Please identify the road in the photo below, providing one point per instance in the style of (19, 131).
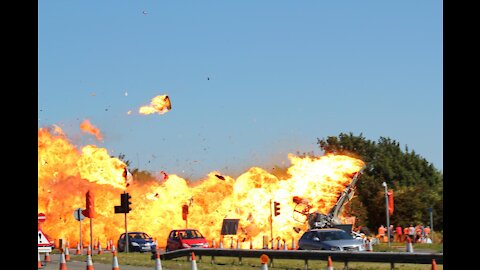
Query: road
(75, 265)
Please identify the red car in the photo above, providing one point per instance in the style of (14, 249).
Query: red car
(185, 238)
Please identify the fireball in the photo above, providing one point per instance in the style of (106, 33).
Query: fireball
(66, 172)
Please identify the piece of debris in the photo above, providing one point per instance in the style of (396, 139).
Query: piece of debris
(220, 177)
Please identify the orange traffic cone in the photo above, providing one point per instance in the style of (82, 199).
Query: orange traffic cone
(285, 245)
(113, 248)
(158, 263)
(39, 261)
(213, 243)
(47, 258)
(193, 266)
(115, 262)
(67, 254)
(293, 243)
(221, 244)
(434, 264)
(95, 245)
(329, 263)
(107, 246)
(264, 260)
(99, 249)
(78, 251)
(89, 259)
(63, 263)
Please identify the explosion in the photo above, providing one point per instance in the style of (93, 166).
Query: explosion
(66, 173)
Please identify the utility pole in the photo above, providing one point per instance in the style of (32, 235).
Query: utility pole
(388, 216)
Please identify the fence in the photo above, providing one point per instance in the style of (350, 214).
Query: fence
(306, 255)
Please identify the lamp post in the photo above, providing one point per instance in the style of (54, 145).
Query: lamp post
(386, 208)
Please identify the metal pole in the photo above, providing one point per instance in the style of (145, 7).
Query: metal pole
(126, 234)
(388, 216)
(271, 223)
(91, 235)
(81, 246)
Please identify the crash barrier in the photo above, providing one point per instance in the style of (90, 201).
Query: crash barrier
(306, 255)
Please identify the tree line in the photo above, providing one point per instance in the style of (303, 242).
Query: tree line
(417, 185)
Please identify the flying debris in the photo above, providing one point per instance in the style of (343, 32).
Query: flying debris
(126, 93)
(127, 176)
(208, 78)
(86, 126)
(165, 175)
(144, 12)
(220, 177)
(159, 104)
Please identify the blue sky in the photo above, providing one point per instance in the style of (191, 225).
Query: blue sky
(282, 74)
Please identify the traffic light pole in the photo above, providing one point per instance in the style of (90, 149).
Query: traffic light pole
(271, 224)
(126, 234)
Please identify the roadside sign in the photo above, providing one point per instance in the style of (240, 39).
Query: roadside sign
(78, 214)
(41, 217)
(42, 239)
(44, 244)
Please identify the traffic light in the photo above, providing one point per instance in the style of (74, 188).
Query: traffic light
(125, 202)
(184, 212)
(276, 207)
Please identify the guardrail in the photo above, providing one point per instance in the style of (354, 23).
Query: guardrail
(341, 256)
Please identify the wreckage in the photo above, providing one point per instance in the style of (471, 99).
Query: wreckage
(315, 220)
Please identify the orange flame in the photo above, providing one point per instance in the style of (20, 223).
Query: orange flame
(65, 174)
(159, 104)
(89, 128)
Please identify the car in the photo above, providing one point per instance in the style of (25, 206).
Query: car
(185, 238)
(137, 241)
(329, 239)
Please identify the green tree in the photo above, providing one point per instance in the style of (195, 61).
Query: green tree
(417, 185)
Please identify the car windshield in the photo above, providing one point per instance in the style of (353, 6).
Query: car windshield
(333, 235)
(139, 235)
(190, 234)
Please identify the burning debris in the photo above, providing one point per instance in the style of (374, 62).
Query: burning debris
(86, 126)
(159, 104)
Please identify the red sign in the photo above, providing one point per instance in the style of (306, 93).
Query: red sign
(41, 217)
(390, 202)
(90, 211)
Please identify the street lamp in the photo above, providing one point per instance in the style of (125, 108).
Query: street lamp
(388, 216)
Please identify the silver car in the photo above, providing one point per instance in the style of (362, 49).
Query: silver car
(329, 239)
